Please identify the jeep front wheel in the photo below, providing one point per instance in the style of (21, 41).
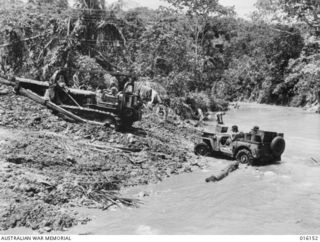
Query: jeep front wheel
(244, 157)
(202, 149)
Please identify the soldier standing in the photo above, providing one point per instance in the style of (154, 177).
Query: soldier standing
(219, 117)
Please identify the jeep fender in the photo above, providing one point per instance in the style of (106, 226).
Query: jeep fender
(209, 142)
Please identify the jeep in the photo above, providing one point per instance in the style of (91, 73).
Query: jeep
(254, 148)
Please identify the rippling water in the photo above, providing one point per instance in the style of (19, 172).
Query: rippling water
(277, 199)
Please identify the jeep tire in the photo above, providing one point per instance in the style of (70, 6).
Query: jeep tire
(277, 146)
(202, 149)
(244, 157)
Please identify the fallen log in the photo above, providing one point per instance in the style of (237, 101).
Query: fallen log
(31, 81)
(5, 82)
(104, 147)
(126, 149)
(224, 173)
(23, 80)
(43, 84)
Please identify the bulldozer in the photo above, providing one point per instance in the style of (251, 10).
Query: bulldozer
(118, 111)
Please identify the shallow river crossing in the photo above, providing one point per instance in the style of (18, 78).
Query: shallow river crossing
(277, 199)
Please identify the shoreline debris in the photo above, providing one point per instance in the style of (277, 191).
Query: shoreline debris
(224, 173)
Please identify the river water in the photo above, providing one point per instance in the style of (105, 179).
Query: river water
(276, 199)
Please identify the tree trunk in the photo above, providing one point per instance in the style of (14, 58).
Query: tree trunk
(224, 173)
(8, 83)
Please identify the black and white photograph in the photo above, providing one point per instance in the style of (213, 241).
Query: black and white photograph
(159, 117)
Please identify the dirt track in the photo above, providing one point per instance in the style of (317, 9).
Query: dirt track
(51, 167)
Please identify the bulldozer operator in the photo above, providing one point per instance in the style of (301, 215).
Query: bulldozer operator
(56, 81)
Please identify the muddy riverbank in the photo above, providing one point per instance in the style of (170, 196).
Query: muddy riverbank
(51, 168)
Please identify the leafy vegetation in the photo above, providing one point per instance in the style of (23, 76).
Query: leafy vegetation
(192, 47)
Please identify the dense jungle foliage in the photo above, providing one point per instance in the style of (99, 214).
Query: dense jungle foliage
(193, 48)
